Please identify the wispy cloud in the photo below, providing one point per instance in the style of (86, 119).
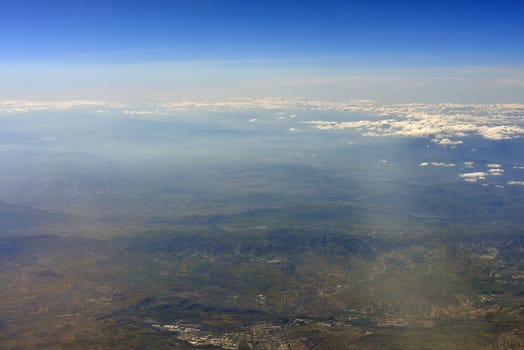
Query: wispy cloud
(141, 112)
(437, 164)
(517, 183)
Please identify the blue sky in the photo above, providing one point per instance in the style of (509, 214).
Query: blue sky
(256, 39)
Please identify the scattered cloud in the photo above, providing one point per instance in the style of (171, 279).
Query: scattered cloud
(444, 123)
(494, 169)
(294, 130)
(253, 120)
(469, 164)
(518, 167)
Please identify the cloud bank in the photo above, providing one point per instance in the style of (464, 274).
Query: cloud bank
(445, 123)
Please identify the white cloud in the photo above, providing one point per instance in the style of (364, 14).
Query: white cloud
(253, 120)
(474, 177)
(518, 167)
(518, 183)
(441, 122)
(502, 132)
(469, 164)
(140, 112)
(495, 173)
(294, 130)
(437, 164)
(443, 164)
(495, 169)
(447, 142)
(21, 106)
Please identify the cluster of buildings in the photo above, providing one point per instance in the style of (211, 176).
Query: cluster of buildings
(270, 337)
(193, 335)
(263, 336)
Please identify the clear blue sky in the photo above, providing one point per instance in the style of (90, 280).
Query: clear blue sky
(475, 31)
(322, 35)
